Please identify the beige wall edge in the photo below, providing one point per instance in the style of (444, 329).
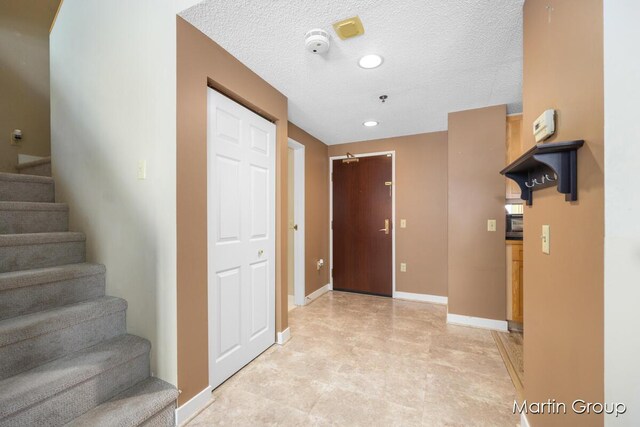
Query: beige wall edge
(201, 63)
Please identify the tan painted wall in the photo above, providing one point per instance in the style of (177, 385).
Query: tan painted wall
(477, 262)
(316, 208)
(421, 199)
(202, 62)
(563, 299)
(24, 78)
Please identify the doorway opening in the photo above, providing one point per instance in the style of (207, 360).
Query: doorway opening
(296, 215)
(362, 231)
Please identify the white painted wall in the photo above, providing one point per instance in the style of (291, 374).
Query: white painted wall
(113, 103)
(622, 207)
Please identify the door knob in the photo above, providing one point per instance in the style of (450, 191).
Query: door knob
(260, 252)
(295, 227)
(386, 227)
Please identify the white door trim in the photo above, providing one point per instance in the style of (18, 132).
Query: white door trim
(393, 212)
(299, 216)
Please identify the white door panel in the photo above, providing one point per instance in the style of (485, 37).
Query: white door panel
(259, 211)
(228, 314)
(259, 291)
(241, 235)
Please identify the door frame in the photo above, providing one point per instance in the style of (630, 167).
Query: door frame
(392, 154)
(298, 218)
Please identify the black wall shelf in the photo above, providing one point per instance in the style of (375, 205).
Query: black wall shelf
(546, 165)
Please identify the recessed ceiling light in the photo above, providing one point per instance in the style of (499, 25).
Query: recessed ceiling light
(370, 61)
(370, 123)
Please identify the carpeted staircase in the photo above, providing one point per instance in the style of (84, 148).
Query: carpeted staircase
(65, 356)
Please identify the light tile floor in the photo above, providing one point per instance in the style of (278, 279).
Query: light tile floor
(371, 361)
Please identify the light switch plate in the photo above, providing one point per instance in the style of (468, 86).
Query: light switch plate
(491, 225)
(142, 169)
(403, 223)
(546, 239)
(403, 267)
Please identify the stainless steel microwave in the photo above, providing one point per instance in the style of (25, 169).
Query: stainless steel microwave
(515, 226)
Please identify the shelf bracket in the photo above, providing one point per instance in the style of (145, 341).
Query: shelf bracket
(565, 166)
(547, 165)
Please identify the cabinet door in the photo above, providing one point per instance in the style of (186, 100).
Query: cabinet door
(517, 283)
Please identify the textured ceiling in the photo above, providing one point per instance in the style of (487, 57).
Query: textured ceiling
(439, 56)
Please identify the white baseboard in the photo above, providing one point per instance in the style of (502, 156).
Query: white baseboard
(477, 322)
(283, 336)
(435, 299)
(318, 293)
(26, 158)
(524, 422)
(196, 404)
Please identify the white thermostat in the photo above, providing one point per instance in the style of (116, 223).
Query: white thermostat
(545, 125)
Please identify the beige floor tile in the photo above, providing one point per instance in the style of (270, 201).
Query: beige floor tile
(236, 407)
(348, 408)
(290, 390)
(361, 360)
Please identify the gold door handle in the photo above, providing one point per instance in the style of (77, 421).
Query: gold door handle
(295, 227)
(386, 227)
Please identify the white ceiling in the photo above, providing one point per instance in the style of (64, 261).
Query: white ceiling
(439, 56)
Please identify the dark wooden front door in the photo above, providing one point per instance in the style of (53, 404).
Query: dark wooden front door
(362, 202)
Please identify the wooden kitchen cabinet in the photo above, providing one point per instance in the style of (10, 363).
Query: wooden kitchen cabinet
(515, 302)
(513, 151)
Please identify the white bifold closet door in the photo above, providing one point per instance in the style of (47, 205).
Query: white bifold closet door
(241, 235)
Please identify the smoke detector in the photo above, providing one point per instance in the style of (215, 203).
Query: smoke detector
(317, 41)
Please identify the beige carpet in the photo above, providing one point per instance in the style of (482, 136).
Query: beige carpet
(510, 345)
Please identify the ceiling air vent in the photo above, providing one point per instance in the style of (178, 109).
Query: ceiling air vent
(350, 27)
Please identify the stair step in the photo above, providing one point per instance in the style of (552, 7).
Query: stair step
(62, 390)
(38, 250)
(31, 340)
(33, 217)
(132, 407)
(26, 188)
(41, 167)
(29, 291)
